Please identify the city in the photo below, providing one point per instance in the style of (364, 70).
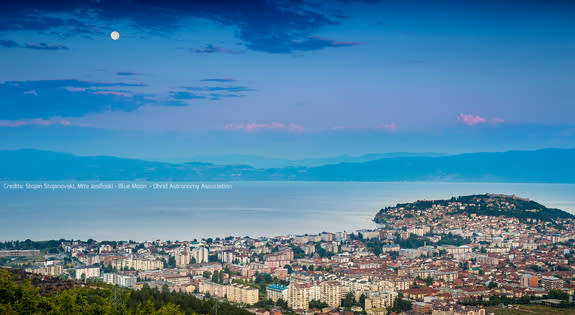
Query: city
(423, 260)
(283, 157)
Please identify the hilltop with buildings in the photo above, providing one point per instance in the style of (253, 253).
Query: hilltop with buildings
(444, 257)
(509, 206)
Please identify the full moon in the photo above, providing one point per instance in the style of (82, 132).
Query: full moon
(115, 35)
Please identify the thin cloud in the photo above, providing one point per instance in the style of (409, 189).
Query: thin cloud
(211, 92)
(471, 120)
(126, 73)
(115, 93)
(8, 43)
(210, 49)
(31, 92)
(45, 46)
(67, 98)
(391, 126)
(316, 42)
(185, 96)
(219, 80)
(228, 88)
(253, 127)
(122, 93)
(38, 122)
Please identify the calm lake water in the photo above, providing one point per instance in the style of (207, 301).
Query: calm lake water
(248, 208)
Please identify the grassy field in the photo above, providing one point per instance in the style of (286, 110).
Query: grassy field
(530, 310)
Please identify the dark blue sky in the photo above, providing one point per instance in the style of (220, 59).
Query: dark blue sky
(288, 79)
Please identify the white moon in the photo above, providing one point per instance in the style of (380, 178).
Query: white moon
(115, 35)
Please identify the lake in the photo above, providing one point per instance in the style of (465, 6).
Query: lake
(118, 211)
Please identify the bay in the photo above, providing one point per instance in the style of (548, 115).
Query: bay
(254, 208)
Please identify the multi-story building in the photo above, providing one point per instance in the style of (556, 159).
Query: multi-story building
(182, 256)
(213, 289)
(244, 294)
(299, 295)
(422, 308)
(281, 273)
(15, 253)
(88, 272)
(330, 293)
(551, 283)
(326, 236)
(381, 299)
(122, 280)
(458, 310)
(53, 270)
(529, 281)
(279, 259)
(275, 292)
(308, 249)
(369, 234)
(409, 253)
(227, 256)
(200, 254)
(139, 264)
(456, 251)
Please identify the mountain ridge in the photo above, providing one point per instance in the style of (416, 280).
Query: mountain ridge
(546, 165)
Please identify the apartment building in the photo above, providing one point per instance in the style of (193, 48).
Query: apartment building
(330, 293)
(299, 295)
(121, 280)
(139, 264)
(88, 272)
(182, 256)
(244, 294)
(200, 254)
(275, 292)
(551, 283)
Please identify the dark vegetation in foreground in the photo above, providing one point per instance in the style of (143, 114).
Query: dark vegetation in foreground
(20, 295)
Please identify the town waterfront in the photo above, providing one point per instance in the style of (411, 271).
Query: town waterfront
(232, 208)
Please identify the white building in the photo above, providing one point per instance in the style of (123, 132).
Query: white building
(128, 281)
(88, 272)
(200, 255)
(276, 292)
(182, 256)
(330, 293)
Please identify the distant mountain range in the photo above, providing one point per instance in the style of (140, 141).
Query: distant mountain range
(548, 166)
(267, 162)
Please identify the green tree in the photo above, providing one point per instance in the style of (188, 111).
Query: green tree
(283, 304)
(317, 304)
(361, 301)
(349, 300)
(557, 294)
(400, 305)
(170, 309)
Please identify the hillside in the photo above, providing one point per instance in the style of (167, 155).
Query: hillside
(24, 293)
(487, 204)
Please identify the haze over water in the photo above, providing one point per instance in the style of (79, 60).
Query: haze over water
(248, 208)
